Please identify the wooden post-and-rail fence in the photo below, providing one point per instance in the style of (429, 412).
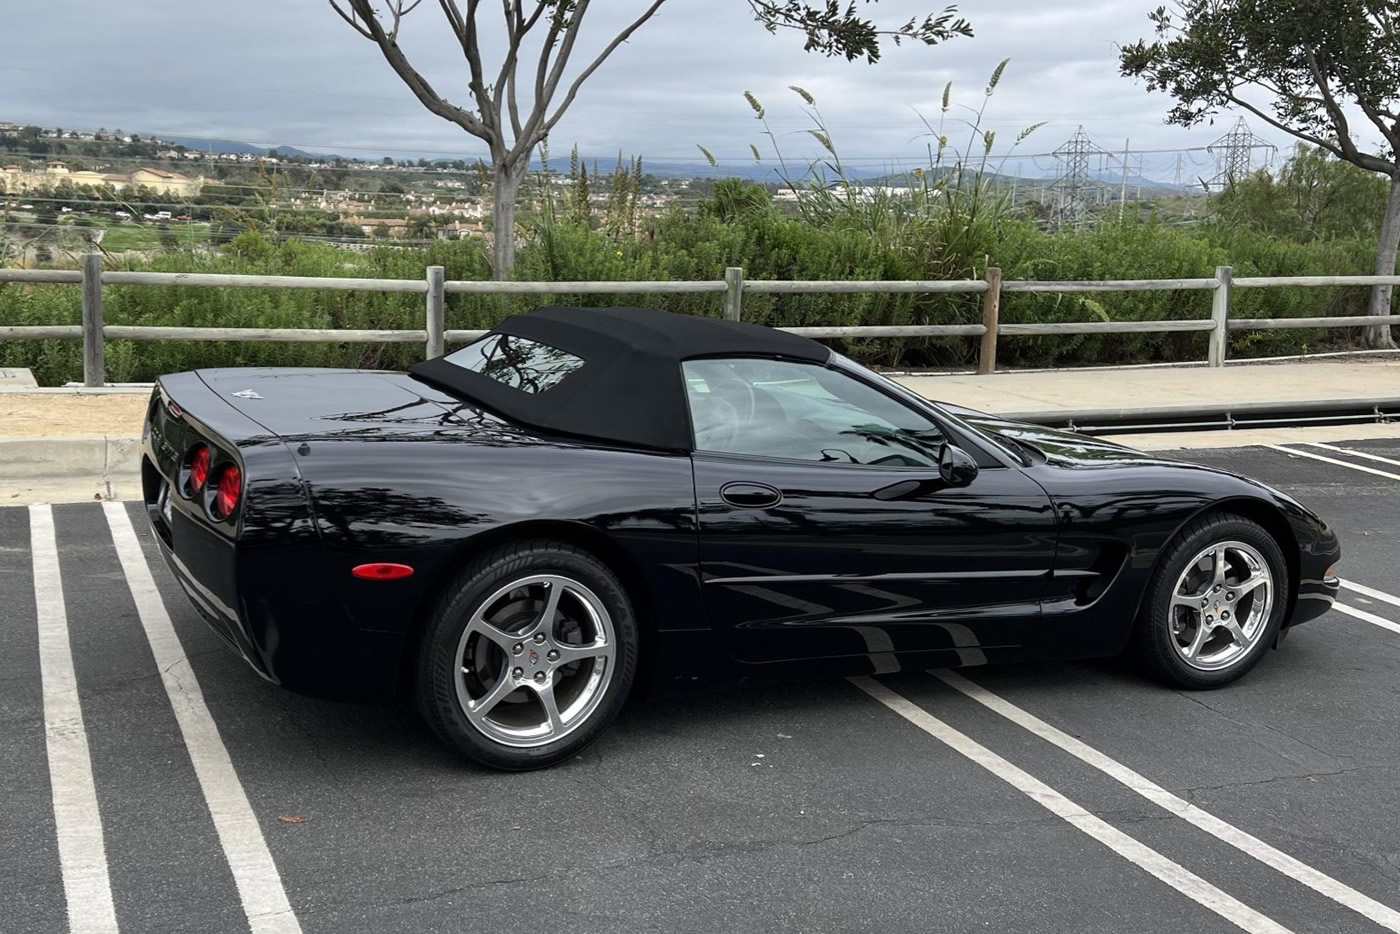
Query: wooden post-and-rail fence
(435, 336)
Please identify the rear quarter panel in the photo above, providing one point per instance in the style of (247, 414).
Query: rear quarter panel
(428, 498)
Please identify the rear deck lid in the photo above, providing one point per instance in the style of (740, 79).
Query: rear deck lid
(324, 402)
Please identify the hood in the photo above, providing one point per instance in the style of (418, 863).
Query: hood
(1054, 446)
(321, 403)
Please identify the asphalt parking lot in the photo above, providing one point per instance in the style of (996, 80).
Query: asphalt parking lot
(1056, 798)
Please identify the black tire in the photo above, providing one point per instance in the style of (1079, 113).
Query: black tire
(447, 651)
(1162, 633)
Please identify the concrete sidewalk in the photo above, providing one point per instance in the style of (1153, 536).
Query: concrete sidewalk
(1068, 391)
(73, 444)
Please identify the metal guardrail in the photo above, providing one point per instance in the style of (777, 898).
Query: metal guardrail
(435, 336)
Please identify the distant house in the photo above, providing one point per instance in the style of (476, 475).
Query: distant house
(56, 174)
(459, 231)
(168, 183)
(84, 177)
(397, 226)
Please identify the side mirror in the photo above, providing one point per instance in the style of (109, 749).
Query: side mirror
(956, 466)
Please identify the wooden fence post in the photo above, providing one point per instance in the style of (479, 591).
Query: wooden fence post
(435, 321)
(94, 366)
(1220, 314)
(733, 292)
(991, 318)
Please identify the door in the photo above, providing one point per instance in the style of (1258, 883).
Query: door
(826, 531)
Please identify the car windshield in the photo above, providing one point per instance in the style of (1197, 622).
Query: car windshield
(1025, 454)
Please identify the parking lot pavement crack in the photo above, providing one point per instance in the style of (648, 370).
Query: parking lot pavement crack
(1385, 862)
(1341, 761)
(1307, 776)
(313, 743)
(459, 889)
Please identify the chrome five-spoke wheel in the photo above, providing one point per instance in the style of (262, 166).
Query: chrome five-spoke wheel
(1221, 605)
(1215, 602)
(535, 660)
(529, 654)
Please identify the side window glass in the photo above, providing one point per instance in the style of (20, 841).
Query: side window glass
(801, 411)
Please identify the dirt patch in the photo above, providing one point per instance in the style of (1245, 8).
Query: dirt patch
(45, 414)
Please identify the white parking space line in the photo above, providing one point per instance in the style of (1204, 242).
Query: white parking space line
(82, 851)
(1371, 592)
(1141, 855)
(259, 884)
(1332, 460)
(1371, 618)
(1354, 453)
(1250, 845)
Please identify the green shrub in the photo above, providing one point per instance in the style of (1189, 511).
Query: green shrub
(687, 247)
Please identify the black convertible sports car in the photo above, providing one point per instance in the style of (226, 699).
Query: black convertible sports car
(585, 502)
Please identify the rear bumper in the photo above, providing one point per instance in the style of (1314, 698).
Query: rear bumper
(267, 608)
(216, 610)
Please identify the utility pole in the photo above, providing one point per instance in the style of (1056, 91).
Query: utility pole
(1123, 191)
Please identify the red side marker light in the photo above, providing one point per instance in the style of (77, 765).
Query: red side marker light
(380, 571)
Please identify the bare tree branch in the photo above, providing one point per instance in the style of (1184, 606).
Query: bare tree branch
(419, 85)
(583, 76)
(351, 20)
(399, 12)
(517, 26)
(556, 25)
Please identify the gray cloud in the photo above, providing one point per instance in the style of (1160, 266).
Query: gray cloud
(290, 72)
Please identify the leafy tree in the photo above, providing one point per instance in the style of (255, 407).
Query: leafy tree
(1315, 196)
(1317, 63)
(512, 131)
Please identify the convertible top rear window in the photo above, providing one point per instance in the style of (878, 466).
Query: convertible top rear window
(522, 364)
(620, 368)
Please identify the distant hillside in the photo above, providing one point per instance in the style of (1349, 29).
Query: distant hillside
(234, 146)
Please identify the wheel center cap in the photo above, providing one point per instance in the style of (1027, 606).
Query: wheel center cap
(534, 658)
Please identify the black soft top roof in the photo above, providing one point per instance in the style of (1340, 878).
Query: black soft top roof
(630, 389)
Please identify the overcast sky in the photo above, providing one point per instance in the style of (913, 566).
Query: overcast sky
(291, 72)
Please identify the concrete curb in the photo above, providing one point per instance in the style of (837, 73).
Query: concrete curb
(69, 469)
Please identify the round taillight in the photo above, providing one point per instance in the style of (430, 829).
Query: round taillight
(199, 467)
(230, 486)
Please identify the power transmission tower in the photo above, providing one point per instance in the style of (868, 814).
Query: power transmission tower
(1234, 154)
(1074, 155)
